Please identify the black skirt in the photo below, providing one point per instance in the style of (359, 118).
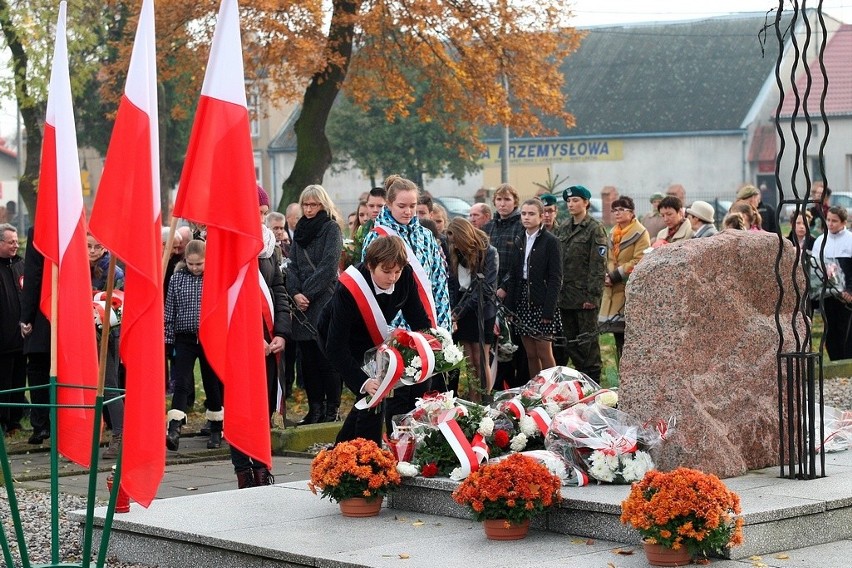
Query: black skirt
(530, 316)
(468, 329)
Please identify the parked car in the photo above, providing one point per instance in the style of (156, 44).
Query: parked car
(841, 198)
(455, 206)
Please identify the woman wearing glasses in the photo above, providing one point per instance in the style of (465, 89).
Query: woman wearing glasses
(627, 243)
(311, 276)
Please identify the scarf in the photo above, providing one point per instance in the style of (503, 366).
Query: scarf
(672, 232)
(308, 229)
(268, 242)
(618, 234)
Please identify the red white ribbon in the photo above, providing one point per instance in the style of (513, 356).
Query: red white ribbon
(480, 447)
(417, 341)
(392, 375)
(614, 445)
(516, 408)
(365, 299)
(542, 419)
(461, 447)
(424, 285)
(266, 306)
(582, 477)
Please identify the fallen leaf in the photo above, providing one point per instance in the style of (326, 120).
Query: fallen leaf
(590, 542)
(192, 488)
(610, 565)
(417, 524)
(578, 541)
(702, 561)
(623, 551)
(755, 558)
(782, 556)
(404, 556)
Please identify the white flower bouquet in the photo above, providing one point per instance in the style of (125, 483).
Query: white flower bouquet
(407, 358)
(604, 443)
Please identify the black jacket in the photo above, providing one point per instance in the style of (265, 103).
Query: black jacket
(274, 279)
(544, 273)
(38, 341)
(464, 304)
(11, 279)
(346, 338)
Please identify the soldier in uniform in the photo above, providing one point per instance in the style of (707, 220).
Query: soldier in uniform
(584, 249)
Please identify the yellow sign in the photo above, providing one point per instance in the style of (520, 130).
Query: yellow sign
(555, 151)
(84, 178)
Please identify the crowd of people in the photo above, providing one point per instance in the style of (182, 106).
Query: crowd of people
(520, 289)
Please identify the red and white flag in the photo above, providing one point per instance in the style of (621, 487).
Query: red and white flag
(126, 220)
(60, 235)
(218, 189)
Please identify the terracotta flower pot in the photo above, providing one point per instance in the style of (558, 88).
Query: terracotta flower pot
(361, 507)
(659, 555)
(501, 529)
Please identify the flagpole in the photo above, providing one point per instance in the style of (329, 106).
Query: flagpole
(170, 241)
(96, 429)
(54, 429)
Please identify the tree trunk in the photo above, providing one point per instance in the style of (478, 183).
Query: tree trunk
(313, 153)
(31, 112)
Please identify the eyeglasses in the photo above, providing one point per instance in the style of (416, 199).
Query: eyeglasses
(310, 205)
(620, 210)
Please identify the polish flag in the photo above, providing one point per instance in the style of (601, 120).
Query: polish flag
(218, 189)
(126, 220)
(60, 235)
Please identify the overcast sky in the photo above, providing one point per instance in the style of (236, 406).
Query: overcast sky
(599, 12)
(596, 12)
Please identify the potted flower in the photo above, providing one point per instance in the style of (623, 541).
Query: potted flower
(357, 474)
(507, 494)
(684, 512)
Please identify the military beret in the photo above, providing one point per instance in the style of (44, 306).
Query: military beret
(548, 198)
(577, 191)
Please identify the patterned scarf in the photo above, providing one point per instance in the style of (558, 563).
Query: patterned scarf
(618, 234)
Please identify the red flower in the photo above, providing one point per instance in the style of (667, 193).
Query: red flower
(501, 438)
(429, 470)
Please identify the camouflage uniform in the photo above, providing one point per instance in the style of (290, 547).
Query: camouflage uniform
(584, 253)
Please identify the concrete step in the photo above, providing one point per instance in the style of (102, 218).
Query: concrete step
(779, 514)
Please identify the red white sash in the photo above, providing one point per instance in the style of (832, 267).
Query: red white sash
(424, 285)
(371, 313)
(266, 306)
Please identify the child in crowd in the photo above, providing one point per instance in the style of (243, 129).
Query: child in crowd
(369, 295)
(534, 287)
(182, 316)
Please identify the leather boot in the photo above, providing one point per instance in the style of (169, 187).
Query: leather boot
(176, 418)
(331, 414)
(262, 476)
(114, 448)
(316, 412)
(245, 478)
(215, 420)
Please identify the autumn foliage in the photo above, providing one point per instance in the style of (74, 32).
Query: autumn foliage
(358, 468)
(516, 489)
(684, 508)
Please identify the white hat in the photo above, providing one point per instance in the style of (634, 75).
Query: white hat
(702, 210)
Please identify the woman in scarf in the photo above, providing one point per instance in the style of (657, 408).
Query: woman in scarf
(398, 217)
(627, 243)
(311, 277)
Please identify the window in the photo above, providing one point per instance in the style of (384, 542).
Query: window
(253, 103)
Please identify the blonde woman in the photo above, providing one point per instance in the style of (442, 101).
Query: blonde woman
(311, 276)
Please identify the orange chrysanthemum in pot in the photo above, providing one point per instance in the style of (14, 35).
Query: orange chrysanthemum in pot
(684, 508)
(357, 468)
(515, 489)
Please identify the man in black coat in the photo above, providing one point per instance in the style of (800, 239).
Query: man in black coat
(390, 280)
(36, 330)
(13, 373)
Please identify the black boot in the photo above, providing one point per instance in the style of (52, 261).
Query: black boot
(214, 419)
(245, 478)
(331, 414)
(262, 476)
(316, 412)
(176, 418)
